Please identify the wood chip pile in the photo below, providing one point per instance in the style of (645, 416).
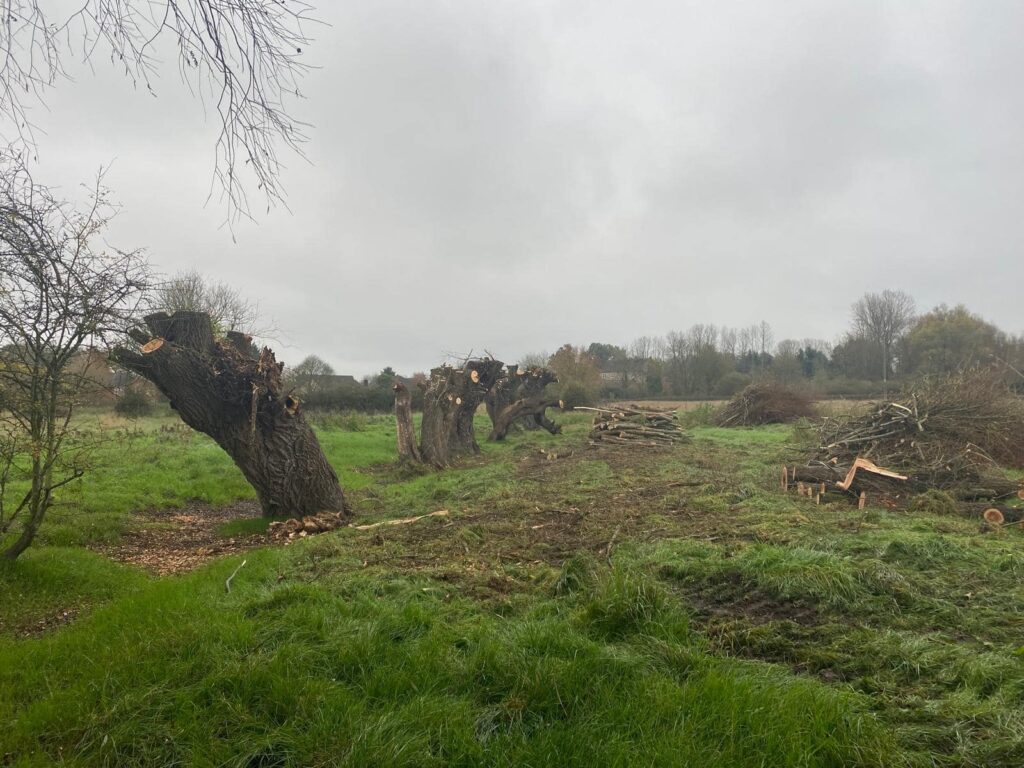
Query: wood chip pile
(307, 526)
(765, 403)
(633, 426)
(953, 434)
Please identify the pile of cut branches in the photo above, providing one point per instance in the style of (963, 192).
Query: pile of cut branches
(633, 426)
(951, 433)
(765, 402)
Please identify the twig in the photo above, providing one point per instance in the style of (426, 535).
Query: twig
(611, 542)
(227, 584)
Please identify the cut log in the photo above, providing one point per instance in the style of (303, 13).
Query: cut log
(993, 516)
(239, 401)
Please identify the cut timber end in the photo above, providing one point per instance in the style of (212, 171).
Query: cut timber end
(152, 346)
(1020, 493)
(458, 401)
(993, 516)
(862, 500)
(867, 466)
(474, 376)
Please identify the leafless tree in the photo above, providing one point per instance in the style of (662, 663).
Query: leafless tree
(61, 291)
(884, 317)
(535, 360)
(243, 57)
(747, 340)
(307, 376)
(192, 292)
(765, 336)
(641, 351)
(729, 342)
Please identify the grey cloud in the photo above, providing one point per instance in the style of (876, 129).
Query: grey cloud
(511, 176)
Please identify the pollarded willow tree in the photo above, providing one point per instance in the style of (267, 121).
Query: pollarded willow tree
(519, 399)
(450, 398)
(225, 388)
(63, 292)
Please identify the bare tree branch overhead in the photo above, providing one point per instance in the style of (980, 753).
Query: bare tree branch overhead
(242, 57)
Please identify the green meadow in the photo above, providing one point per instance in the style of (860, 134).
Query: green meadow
(577, 606)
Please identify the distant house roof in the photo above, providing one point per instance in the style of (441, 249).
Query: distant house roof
(337, 379)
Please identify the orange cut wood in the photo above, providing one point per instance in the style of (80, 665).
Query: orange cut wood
(152, 345)
(993, 516)
(867, 466)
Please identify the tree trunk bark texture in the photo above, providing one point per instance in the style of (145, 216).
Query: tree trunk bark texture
(224, 388)
(407, 449)
(450, 400)
(518, 399)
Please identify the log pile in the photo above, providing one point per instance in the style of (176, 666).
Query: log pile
(952, 434)
(633, 426)
(765, 403)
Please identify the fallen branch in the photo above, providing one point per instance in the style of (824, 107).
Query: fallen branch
(402, 520)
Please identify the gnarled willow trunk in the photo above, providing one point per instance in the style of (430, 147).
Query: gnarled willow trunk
(518, 399)
(225, 389)
(450, 400)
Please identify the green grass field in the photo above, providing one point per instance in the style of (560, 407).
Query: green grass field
(578, 606)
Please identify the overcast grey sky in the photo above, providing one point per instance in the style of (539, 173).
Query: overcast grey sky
(512, 176)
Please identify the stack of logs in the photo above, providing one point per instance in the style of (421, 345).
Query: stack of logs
(633, 426)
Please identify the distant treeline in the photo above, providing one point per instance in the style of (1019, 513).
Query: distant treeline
(887, 343)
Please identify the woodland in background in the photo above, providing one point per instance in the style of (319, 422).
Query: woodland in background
(712, 362)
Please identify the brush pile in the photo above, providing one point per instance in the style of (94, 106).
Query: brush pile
(765, 403)
(633, 426)
(951, 433)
